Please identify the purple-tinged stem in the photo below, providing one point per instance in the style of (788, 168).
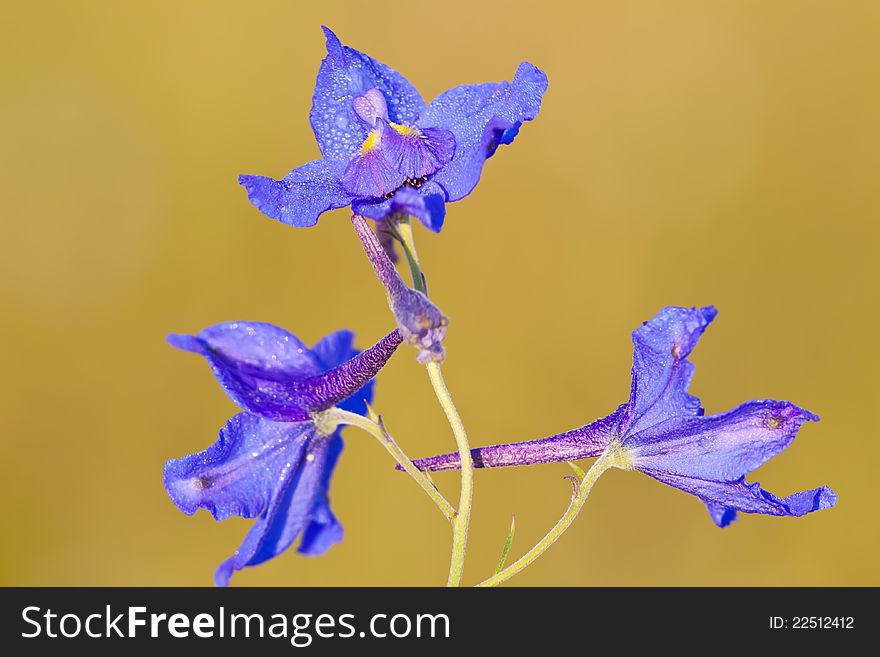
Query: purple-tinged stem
(382, 265)
(568, 446)
(584, 442)
(421, 323)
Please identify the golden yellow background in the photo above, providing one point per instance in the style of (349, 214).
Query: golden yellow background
(686, 153)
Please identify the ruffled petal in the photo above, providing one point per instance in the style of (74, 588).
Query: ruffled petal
(417, 153)
(346, 74)
(720, 447)
(236, 476)
(255, 363)
(323, 530)
(427, 204)
(369, 174)
(585, 442)
(334, 350)
(299, 488)
(724, 498)
(661, 373)
(302, 195)
(480, 117)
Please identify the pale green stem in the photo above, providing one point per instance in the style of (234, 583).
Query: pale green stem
(465, 500)
(466, 496)
(404, 230)
(335, 416)
(608, 459)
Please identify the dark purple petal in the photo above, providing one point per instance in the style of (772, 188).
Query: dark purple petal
(661, 373)
(256, 362)
(721, 447)
(427, 204)
(480, 116)
(236, 476)
(344, 75)
(301, 196)
(323, 530)
(725, 498)
(268, 371)
(370, 174)
(585, 442)
(417, 153)
(300, 487)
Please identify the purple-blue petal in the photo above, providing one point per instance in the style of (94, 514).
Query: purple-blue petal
(300, 487)
(725, 498)
(335, 349)
(323, 530)
(427, 204)
(302, 195)
(720, 514)
(661, 372)
(480, 117)
(236, 476)
(344, 75)
(255, 363)
(721, 447)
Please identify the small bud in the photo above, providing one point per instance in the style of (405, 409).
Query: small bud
(421, 323)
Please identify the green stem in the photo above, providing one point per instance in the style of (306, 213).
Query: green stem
(465, 499)
(604, 462)
(466, 496)
(404, 231)
(336, 416)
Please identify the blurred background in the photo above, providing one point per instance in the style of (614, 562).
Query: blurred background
(687, 153)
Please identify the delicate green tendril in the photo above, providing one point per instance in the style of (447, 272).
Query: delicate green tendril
(610, 458)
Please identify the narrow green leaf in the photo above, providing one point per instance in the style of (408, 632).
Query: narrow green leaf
(371, 414)
(507, 546)
(577, 470)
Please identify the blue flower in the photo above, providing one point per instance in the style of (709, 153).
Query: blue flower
(662, 431)
(272, 462)
(386, 152)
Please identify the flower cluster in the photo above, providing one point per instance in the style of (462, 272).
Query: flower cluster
(387, 153)
(390, 156)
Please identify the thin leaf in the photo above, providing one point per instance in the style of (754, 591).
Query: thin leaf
(371, 414)
(577, 469)
(507, 545)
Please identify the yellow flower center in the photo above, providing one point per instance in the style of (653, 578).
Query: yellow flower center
(371, 142)
(403, 130)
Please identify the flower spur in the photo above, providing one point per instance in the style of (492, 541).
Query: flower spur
(662, 431)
